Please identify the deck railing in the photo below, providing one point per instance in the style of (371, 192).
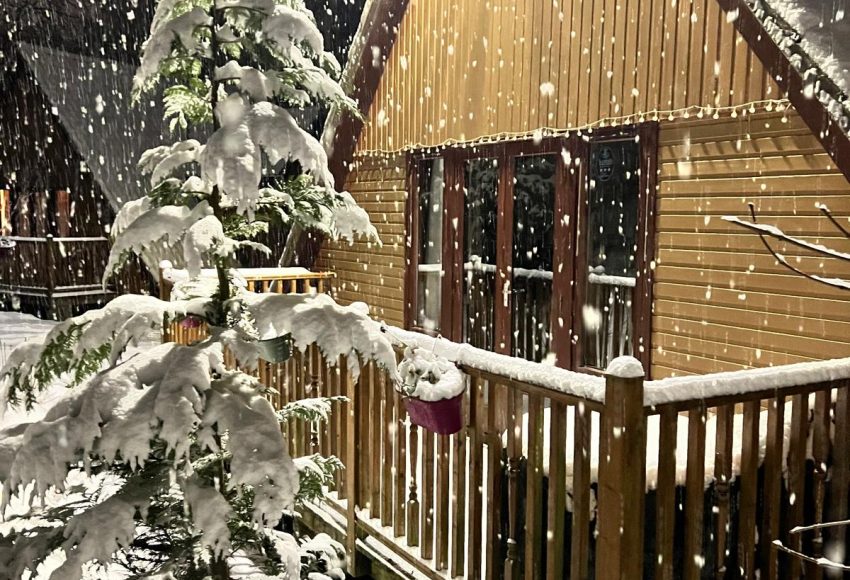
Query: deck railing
(552, 475)
(557, 474)
(49, 265)
(279, 280)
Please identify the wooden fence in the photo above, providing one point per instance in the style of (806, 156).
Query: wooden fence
(55, 275)
(558, 475)
(545, 484)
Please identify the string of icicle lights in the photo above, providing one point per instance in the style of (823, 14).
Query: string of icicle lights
(697, 111)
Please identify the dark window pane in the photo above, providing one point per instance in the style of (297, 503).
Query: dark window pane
(481, 180)
(430, 251)
(612, 213)
(534, 199)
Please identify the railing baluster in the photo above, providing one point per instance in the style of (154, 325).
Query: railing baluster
(820, 452)
(722, 482)
(389, 444)
(840, 466)
(413, 499)
(772, 485)
(375, 395)
(459, 507)
(665, 494)
(400, 462)
(476, 484)
(428, 495)
(495, 466)
(749, 487)
(533, 488)
(797, 474)
(442, 500)
(555, 527)
(695, 494)
(515, 401)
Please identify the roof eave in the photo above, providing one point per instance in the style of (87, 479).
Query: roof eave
(814, 113)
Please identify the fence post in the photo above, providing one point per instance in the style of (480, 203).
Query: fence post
(352, 477)
(622, 473)
(50, 281)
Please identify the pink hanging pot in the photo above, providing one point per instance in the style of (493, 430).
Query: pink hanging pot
(444, 417)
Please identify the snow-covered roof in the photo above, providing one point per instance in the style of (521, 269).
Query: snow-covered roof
(824, 34)
(92, 99)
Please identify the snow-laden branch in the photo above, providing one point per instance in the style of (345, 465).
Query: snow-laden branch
(164, 32)
(764, 231)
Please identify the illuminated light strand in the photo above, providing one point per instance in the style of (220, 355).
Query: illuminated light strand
(697, 111)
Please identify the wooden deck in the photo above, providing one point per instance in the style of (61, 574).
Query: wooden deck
(53, 276)
(547, 482)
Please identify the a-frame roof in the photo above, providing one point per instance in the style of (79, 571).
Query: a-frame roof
(382, 19)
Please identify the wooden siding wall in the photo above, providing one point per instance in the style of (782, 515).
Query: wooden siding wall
(721, 300)
(367, 273)
(464, 69)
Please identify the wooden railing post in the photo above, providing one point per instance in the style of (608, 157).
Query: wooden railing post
(622, 473)
(351, 474)
(50, 278)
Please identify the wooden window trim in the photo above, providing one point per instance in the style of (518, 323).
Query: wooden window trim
(569, 243)
(647, 134)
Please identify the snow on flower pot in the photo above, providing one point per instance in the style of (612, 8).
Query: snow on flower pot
(433, 389)
(275, 350)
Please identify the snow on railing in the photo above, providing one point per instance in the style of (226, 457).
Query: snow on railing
(548, 376)
(731, 383)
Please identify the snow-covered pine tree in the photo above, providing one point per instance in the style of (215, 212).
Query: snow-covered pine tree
(160, 459)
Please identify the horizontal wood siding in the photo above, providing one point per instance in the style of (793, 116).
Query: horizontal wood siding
(721, 300)
(461, 70)
(366, 272)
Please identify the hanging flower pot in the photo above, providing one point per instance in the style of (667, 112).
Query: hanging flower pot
(444, 417)
(433, 389)
(191, 322)
(275, 350)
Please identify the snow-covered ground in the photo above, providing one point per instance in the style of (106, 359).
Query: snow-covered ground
(16, 328)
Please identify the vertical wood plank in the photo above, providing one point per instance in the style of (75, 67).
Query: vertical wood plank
(840, 483)
(749, 487)
(820, 450)
(514, 450)
(665, 495)
(476, 483)
(533, 489)
(797, 473)
(400, 462)
(772, 484)
(694, 494)
(352, 475)
(388, 454)
(442, 500)
(459, 505)
(622, 480)
(581, 492)
(723, 481)
(427, 500)
(557, 492)
(374, 416)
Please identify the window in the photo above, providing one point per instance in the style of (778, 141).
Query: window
(535, 249)
(481, 182)
(531, 265)
(430, 250)
(611, 267)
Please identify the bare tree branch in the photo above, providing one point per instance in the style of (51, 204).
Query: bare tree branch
(764, 230)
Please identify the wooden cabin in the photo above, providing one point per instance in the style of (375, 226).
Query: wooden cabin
(68, 161)
(550, 178)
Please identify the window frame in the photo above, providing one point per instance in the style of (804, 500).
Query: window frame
(569, 243)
